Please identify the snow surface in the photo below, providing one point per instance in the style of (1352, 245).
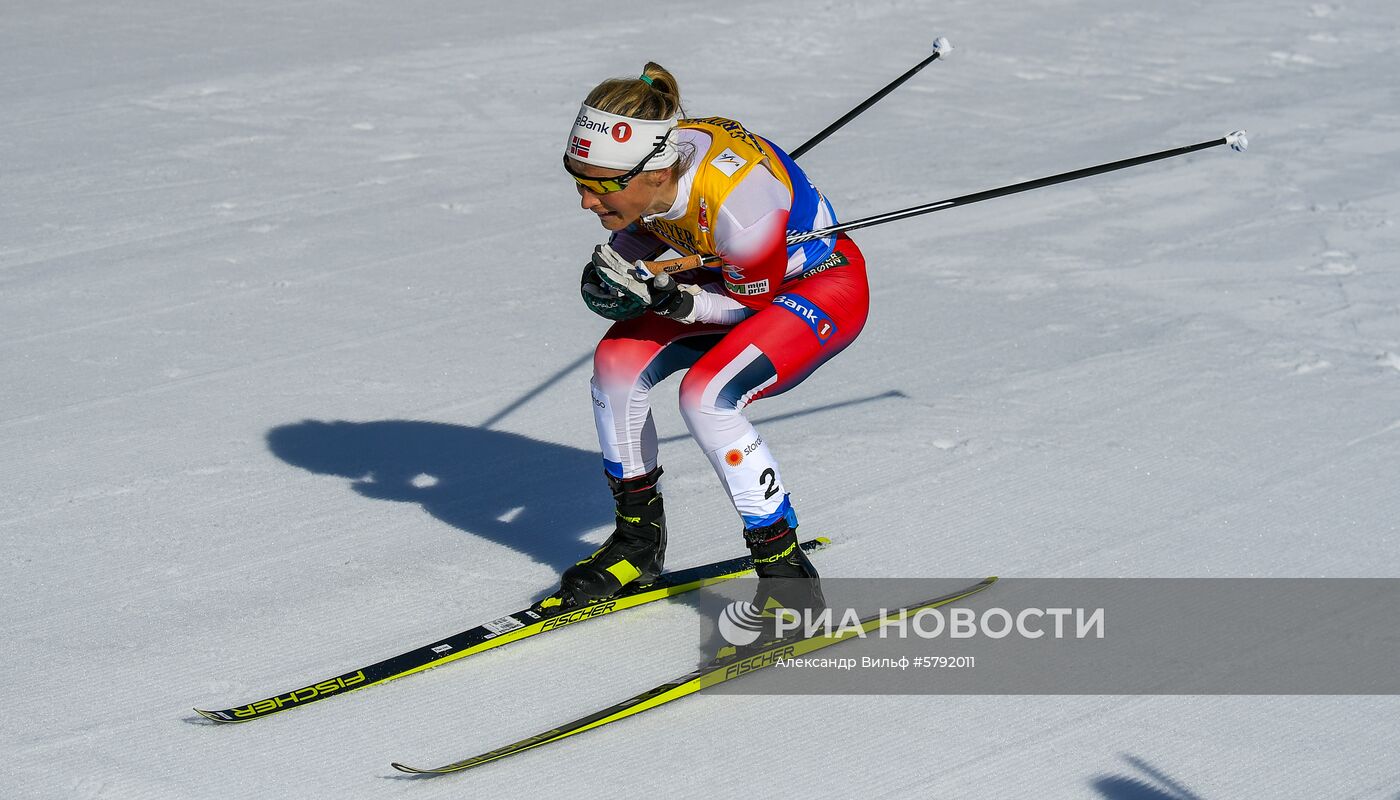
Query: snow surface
(294, 378)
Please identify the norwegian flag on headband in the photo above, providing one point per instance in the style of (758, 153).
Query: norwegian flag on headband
(579, 147)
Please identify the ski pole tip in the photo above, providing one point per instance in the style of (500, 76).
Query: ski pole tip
(942, 47)
(1238, 141)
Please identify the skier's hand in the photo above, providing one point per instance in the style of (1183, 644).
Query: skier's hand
(605, 301)
(674, 300)
(627, 277)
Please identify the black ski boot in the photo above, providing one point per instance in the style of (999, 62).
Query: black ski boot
(786, 579)
(635, 552)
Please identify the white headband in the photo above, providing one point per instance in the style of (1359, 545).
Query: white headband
(617, 142)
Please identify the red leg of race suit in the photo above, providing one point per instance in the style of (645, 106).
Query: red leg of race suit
(808, 322)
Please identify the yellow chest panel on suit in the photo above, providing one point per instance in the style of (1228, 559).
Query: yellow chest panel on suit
(732, 154)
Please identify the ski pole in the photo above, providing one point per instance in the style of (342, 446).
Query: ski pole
(1237, 141)
(941, 48)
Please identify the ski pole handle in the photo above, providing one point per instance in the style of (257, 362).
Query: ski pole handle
(683, 264)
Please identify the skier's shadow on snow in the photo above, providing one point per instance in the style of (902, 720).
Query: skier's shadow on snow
(535, 497)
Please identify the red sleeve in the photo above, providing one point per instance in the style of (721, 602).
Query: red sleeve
(756, 259)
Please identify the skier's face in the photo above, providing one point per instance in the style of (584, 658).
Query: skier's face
(649, 193)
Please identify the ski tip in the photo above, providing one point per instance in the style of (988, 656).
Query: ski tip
(407, 769)
(942, 47)
(209, 715)
(823, 541)
(1238, 141)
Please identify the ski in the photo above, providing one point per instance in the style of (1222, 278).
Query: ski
(503, 630)
(716, 671)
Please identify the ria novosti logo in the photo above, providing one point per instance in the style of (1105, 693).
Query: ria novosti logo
(742, 622)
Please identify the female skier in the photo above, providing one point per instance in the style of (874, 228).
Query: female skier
(754, 321)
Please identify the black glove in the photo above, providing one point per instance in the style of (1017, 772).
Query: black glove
(674, 300)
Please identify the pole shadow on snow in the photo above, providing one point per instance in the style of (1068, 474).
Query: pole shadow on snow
(1161, 786)
(761, 423)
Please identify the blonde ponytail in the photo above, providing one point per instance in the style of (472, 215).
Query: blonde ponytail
(654, 95)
